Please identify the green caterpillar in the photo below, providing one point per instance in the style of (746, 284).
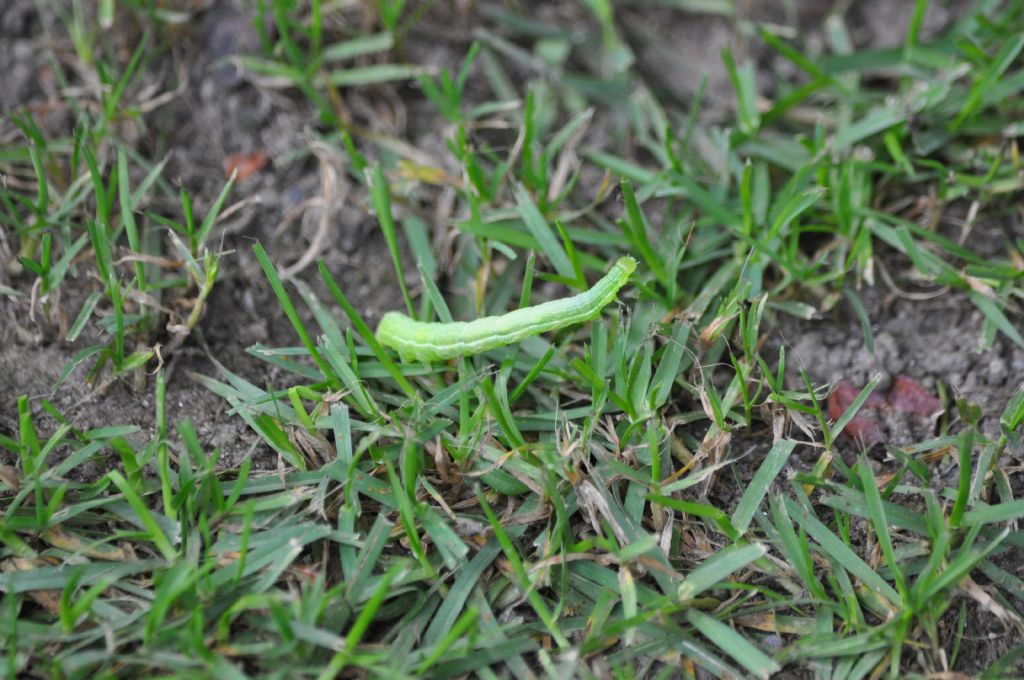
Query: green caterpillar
(438, 341)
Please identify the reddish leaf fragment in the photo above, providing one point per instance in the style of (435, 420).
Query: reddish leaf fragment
(865, 426)
(910, 396)
(845, 393)
(840, 398)
(247, 164)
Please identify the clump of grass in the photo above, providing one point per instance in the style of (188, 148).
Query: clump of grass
(79, 213)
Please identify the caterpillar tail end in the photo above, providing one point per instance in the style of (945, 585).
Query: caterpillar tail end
(388, 332)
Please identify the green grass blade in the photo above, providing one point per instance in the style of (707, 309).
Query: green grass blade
(544, 234)
(381, 196)
(759, 664)
(761, 483)
(143, 515)
(718, 568)
(289, 309)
